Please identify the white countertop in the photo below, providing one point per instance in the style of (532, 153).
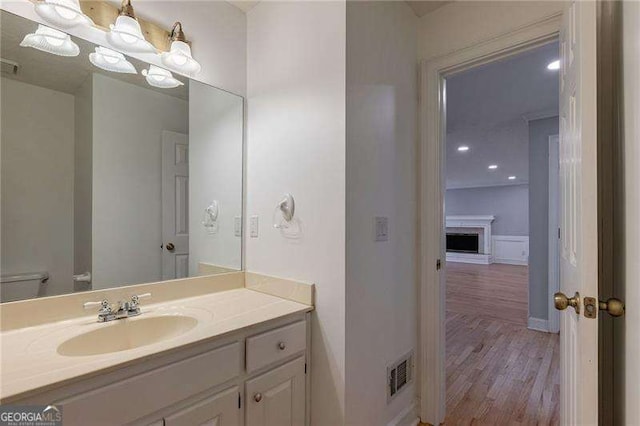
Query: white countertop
(30, 361)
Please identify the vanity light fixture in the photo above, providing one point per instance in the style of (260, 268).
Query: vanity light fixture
(63, 13)
(553, 66)
(51, 41)
(463, 148)
(158, 77)
(126, 33)
(179, 58)
(493, 166)
(512, 178)
(110, 60)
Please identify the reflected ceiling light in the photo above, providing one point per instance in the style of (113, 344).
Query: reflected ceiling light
(179, 58)
(51, 41)
(553, 66)
(493, 167)
(158, 77)
(512, 178)
(64, 13)
(110, 60)
(126, 34)
(463, 148)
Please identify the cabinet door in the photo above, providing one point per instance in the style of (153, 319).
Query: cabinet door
(218, 410)
(277, 398)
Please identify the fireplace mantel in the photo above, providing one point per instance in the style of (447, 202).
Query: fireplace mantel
(473, 221)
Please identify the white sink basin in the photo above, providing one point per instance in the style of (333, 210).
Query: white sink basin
(121, 335)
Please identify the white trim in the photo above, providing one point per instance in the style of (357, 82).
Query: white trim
(538, 324)
(431, 356)
(539, 115)
(554, 226)
(475, 258)
(516, 254)
(407, 417)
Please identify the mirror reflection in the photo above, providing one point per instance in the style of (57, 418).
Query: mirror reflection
(113, 172)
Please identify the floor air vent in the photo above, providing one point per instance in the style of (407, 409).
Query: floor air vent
(399, 374)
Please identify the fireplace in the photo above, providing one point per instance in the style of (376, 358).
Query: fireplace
(463, 243)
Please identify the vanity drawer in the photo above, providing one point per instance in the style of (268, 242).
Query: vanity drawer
(273, 346)
(136, 397)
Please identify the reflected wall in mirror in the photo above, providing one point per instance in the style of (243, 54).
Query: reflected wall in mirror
(107, 180)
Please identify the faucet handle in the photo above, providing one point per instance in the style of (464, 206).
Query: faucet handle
(105, 306)
(135, 299)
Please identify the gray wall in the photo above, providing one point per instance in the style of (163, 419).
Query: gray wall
(509, 204)
(539, 132)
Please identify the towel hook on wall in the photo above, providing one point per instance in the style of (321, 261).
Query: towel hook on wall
(286, 206)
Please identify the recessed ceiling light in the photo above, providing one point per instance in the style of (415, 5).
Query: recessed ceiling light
(555, 65)
(493, 167)
(512, 178)
(463, 148)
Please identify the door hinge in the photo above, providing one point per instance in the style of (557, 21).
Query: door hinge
(239, 400)
(559, 233)
(438, 264)
(305, 368)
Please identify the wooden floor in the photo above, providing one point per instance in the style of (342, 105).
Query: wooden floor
(498, 371)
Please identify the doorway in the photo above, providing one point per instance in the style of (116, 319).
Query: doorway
(433, 157)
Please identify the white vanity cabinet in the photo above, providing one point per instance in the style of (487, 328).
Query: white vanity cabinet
(277, 397)
(255, 377)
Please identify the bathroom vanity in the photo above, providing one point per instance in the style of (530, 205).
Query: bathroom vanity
(232, 357)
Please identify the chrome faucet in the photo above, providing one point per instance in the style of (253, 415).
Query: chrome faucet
(125, 308)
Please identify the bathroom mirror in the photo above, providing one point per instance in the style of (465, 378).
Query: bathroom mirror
(107, 180)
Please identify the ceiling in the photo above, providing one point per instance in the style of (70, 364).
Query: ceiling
(487, 110)
(420, 8)
(63, 74)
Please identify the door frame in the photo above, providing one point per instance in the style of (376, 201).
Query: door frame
(431, 313)
(554, 233)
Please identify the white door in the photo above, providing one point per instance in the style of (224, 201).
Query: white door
(578, 214)
(175, 205)
(278, 397)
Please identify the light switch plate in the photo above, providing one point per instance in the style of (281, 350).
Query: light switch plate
(253, 227)
(381, 225)
(237, 226)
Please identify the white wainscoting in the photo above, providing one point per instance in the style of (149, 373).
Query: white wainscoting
(510, 249)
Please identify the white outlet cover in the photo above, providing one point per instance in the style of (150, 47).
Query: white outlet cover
(253, 227)
(381, 228)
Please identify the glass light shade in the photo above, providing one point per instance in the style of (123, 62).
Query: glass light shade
(158, 77)
(127, 36)
(51, 41)
(110, 60)
(179, 59)
(64, 13)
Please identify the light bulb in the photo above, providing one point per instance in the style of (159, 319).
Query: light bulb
(110, 60)
(158, 77)
(63, 13)
(51, 41)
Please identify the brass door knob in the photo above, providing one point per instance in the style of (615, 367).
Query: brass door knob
(562, 302)
(613, 306)
(257, 397)
(282, 346)
(171, 247)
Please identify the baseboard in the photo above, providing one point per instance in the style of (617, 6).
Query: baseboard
(538, 324)
(406, 417)
(510, 261)
(478, 259)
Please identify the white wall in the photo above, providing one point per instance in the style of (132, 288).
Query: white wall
(462, 24)
(216, 29)
(83, 170)
(37, 136)
(128, 121)
(215, 173)
(296, 144)
(381, 308)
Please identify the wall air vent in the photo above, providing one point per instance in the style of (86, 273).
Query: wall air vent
(399, 375)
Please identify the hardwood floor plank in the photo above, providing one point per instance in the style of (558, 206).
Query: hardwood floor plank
(497, 371)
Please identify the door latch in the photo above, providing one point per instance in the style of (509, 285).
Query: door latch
(613, 306)
(438, 265)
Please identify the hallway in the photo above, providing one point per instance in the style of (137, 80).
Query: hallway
(498, 371)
